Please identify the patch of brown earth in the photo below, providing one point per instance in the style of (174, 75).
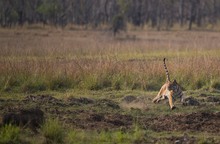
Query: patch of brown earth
(185, 139)
(132, 102)
(84, 113)
(31, 118)
(204, 121)
(100, 121)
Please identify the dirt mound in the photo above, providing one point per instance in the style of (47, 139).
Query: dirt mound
(43, 99)
(213, 99)
(106, 103)
(79, 101)
(190, 101)
(130, 102)
(85, 113)
(31, 118)
(128, 99)
(92, 119)
(103, 121)
(209, 122)
(185, 139)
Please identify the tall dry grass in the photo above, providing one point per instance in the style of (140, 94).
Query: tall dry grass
(33, 60)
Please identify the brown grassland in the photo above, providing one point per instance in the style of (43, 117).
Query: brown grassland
(96, 88)
(32, 60)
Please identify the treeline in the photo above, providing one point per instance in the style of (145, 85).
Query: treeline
(158, 14)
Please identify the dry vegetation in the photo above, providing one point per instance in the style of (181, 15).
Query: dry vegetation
(36, 60)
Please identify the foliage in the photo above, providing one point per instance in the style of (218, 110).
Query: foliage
(53, 131)
(49, 9)
(118, 24)
(100, 63)
(164, 14)
(117, 136)
(60, 82)
(9, 134)
(215, 84)
(10, 83)
(34, 85)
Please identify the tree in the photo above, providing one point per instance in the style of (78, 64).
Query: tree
(159, 14)
(118, 24)
(181, 12)
(192, 15)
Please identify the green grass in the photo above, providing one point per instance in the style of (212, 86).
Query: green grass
(111, 137)
(136, 135)
(10, 134)
(53, 132)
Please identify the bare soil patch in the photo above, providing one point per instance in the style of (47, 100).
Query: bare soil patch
(200, 121)
(98, 114)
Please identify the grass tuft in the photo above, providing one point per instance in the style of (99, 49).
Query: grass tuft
(99, 62)
(9, 134)
(215, 84)
(60, 83)
(53, 131)
(35, 85)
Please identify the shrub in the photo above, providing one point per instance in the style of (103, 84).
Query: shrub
(198, 84)
(94, 82)
(9, 134)
(118, 24)
(53, 131)
(215, 85)
(78, 137)
(59, 83)
(34, 86)
(103, 82)
(153, 85)
(89, 82)
(10, 83)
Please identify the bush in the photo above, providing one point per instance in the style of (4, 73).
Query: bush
(53, 131)
(215, 85)
(114, 137)
(10, 83)
(78, 137)
(153, 85)
(118, 24)
(61, 82)
(93, 82)
(198, 84)
(103, 82)
(9, 134)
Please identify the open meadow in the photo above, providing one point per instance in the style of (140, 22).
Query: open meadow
(93, 87)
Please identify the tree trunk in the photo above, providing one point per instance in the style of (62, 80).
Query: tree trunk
(192, 14)
(158, 16)
(181, 11)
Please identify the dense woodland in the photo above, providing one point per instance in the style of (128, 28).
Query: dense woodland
(158, 14)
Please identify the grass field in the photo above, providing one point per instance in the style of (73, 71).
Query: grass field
(35, 60)
(80, 79)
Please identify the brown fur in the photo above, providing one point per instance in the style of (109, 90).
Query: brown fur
(169, 90)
